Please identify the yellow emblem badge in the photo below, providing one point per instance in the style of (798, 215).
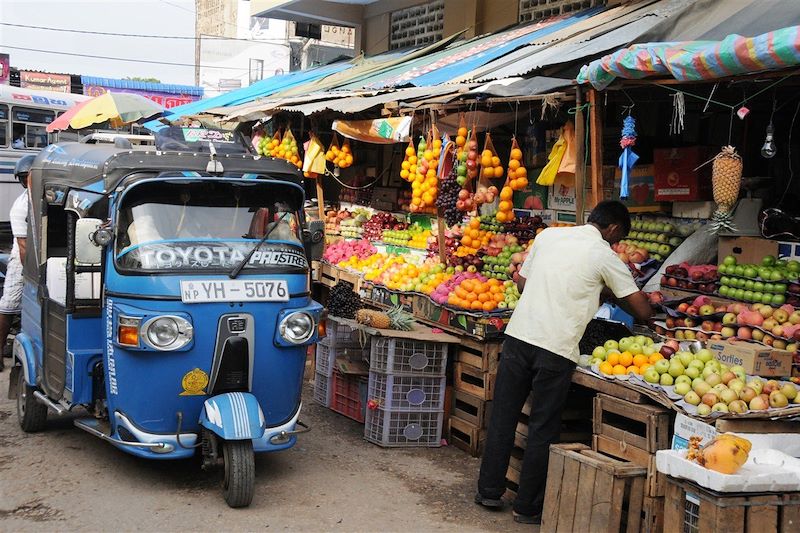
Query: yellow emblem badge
(194, 383)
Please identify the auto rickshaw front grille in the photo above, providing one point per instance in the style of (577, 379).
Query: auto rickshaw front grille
(234, 367)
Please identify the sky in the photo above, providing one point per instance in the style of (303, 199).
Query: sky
(149, 17)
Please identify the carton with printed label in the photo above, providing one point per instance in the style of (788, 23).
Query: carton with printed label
(757, 359)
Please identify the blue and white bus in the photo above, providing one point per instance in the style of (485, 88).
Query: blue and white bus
(24, 116)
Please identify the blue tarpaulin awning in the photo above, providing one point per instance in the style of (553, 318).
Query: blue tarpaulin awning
(113, 83)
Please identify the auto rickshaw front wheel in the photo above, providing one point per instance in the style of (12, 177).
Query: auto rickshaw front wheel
(31, 414)
(239, 482)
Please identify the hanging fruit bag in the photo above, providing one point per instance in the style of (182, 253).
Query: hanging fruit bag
(274, 144)
(517, 177)
(333, 150)
(408, 168)
(462, 133)
(490, 162)
(289, 150)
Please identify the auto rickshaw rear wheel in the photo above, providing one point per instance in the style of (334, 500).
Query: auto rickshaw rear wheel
(31, 414)
(238, 484)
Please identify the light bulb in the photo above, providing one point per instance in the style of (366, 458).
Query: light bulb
(768, 150)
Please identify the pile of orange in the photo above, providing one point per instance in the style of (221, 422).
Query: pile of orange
(473, 238)
(517, 173)
(477, 295)
(619, 364)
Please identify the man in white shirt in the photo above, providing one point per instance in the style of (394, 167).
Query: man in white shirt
(562, 277)
(12, 287)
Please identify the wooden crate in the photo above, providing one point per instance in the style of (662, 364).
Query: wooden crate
(646, 427)
(465, 436)
(587, 492)
(330, 275)
(688, 507)
(484, 355)
(471, 408)
(656, 481)
(473, 380)
(652, 515)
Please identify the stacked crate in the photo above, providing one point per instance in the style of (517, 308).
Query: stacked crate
(634, 432)
(406, 392)
(474, 375)
(341, 341)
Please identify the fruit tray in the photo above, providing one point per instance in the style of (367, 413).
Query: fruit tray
(766, 470)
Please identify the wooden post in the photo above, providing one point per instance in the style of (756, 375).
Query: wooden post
(441, 225)
(320, 198)
(596, 147)
(580, 156)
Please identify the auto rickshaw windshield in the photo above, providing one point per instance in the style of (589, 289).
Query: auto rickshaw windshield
(208, 225)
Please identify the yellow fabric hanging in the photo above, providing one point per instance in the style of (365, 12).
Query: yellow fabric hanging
(314, 160)
(548, 174)
(570, 152)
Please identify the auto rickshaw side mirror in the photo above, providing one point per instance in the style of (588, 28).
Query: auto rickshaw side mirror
(314, 239)
(88, 247)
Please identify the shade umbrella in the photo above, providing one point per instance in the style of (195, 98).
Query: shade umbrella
(115, 108)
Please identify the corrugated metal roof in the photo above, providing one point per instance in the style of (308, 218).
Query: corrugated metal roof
(113, 83)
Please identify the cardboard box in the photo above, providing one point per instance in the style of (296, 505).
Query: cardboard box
(693, 209)
(746, 249)
(756, 359)
(641, 191)
(686, 427)
(676, 178)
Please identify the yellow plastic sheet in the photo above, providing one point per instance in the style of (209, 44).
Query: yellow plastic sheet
(548, 174)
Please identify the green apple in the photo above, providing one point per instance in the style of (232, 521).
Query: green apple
(698, 364)
(736, 385)
(648, 350)
(684, 357)
(691, 372)
(789, 390)
(756, 384)
(739, 371)
(700, 386)
(692, 398)
(651, 375)
(718, 388)
(720, 407)
(661, 366)
(703, 410)
(635, 348)
(683, 378)
(708, 370)
(683, 388)
(728, 396)
(666, 380)
(611, 345)
(599, 353)
(713, 379)
(648, 341)
(704, 355)
(675, 368)
(639, 339)
(625, 344)
(595, 361)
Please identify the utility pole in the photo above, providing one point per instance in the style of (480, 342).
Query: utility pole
(197, 43)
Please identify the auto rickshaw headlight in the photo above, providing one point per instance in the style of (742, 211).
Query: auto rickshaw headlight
(167, 332)
(297, 328)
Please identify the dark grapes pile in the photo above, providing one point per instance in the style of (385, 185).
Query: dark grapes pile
(448, 196)
(343, 301)
(373, 228)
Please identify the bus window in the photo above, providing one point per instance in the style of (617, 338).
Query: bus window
(3, 125)
(28, 127)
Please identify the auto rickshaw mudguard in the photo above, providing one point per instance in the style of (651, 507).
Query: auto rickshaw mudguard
(25, 354)
(233, 416)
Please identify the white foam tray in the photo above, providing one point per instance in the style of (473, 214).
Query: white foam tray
(766, 470)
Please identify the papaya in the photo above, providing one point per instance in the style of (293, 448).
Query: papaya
(726, 453)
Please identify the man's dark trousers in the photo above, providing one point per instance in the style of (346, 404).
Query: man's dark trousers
(524, 367)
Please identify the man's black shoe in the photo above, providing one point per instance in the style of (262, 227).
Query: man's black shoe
(490, 503)
(535, 519)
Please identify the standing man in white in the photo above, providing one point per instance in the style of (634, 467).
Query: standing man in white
(10, 301)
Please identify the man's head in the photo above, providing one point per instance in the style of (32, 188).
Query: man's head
(612, 219)
(23, 168)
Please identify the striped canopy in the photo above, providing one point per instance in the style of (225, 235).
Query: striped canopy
(697, 60)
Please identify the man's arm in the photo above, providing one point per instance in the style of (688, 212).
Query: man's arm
(520, 284)
(637, 305)
(21, 244)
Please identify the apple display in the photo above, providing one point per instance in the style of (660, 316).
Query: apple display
(692, 398)
(703, 410)
(666, 380)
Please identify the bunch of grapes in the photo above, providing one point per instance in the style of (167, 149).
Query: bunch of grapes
(343, 301)
(448, 196)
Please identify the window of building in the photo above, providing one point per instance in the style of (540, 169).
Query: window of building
(535, 10)
(417, 26)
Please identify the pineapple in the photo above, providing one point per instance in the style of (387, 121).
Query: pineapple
(395, 318)
(726, 178)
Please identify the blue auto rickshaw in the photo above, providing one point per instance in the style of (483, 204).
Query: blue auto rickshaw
(167, 300)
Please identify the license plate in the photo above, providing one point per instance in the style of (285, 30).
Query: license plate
(234, 290)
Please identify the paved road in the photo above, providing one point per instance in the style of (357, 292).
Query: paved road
(333, 480)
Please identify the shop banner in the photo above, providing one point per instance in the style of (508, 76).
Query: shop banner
(5, 66)
(381, 131)
(44, 81)
(165, 99)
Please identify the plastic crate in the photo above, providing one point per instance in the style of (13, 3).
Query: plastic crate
(327, 354)
(323, 389)
(348, 397)
(337, 334)
(407, 356)
(407, 393)
(395, 429)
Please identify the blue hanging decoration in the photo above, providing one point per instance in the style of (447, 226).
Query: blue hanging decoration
(628, 157)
